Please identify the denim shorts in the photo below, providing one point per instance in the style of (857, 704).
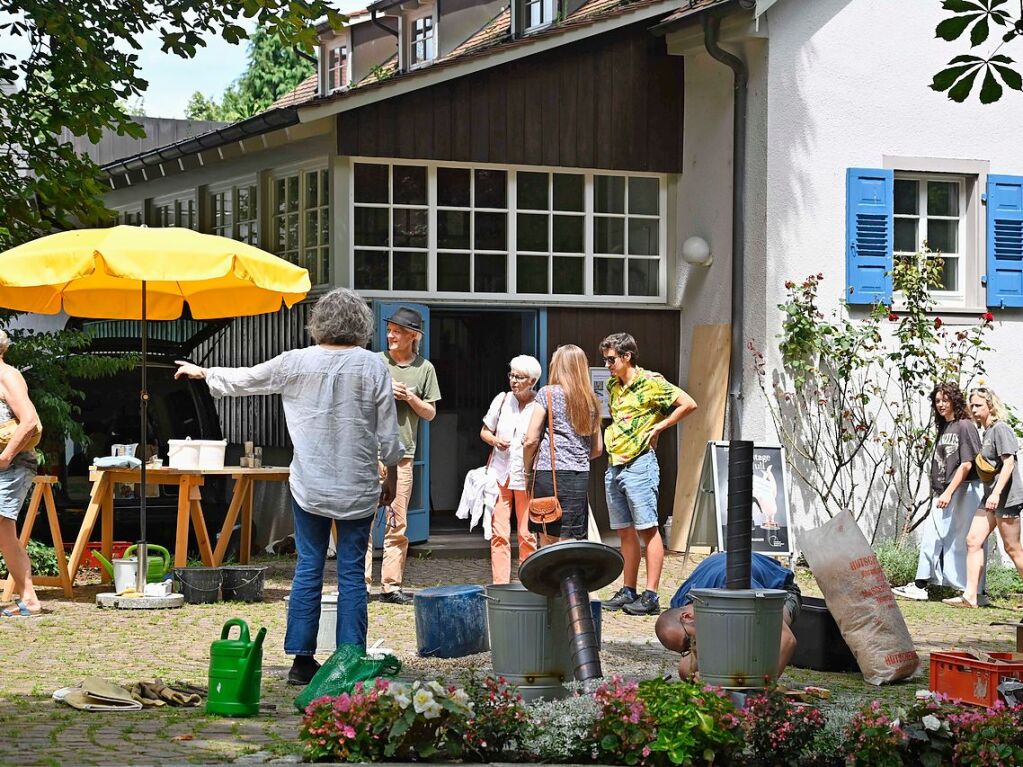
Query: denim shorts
(1009, 512)
(632, 492)
(15, 482)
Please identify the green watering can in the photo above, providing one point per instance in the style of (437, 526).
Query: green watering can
(158, 564)
(236, 672)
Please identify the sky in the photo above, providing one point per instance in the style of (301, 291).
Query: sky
(173, 80)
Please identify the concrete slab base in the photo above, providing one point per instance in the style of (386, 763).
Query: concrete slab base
(111, 599)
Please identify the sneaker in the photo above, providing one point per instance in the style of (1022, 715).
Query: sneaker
(398, 597)
(621, 598)
(983, 600)
(647, 604)
(911, 591)
(303, 669)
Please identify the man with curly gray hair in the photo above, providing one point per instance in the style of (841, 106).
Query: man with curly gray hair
(340, 412)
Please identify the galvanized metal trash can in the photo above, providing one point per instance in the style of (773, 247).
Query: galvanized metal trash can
(738, 635)
(523, 647)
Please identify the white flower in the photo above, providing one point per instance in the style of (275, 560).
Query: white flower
(422, 700)
(436, 686)
(461, 697)
(432, 711)
(931, 722)
(400, 693)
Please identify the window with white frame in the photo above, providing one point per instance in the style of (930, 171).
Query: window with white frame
(337, 67)
(930, 220)
(301, 221)
(233, 213)
(537, 14)
(422, 39)
(503, 231)
(179, 211)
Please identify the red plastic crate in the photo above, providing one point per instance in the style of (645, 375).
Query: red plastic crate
(88, 560)
(960, 676)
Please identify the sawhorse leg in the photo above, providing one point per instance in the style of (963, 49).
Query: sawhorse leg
(42, 491)
(101, 495)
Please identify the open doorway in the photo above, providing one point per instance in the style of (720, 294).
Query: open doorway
(470, 349)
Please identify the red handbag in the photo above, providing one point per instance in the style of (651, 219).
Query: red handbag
(546, 510)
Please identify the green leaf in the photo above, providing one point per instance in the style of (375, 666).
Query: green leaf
(951, 29)
(1011, 77)
(991, 90)
(947, 77)
(961, 90)
(980, 32)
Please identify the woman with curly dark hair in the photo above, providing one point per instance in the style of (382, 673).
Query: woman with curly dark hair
(957, 492)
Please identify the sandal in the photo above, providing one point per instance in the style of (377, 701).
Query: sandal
(959, 602)
(20, 610)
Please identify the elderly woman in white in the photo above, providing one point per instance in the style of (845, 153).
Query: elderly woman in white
(504, 428)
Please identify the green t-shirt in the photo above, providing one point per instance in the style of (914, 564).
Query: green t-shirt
(421, 379)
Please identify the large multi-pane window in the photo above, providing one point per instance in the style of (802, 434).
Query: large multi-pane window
(422, 40)
(233, 213)
(929, 211)
(483, 230)
(301, 221)
(176, 212)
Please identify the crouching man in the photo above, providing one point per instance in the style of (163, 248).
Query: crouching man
(676, 628)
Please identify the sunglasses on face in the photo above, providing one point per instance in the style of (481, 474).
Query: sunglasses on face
(611, 360)
(517, 377)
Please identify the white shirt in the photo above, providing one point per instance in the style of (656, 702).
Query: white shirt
(509, 420)
(339, 407)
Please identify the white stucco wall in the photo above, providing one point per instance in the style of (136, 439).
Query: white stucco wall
(836, 84)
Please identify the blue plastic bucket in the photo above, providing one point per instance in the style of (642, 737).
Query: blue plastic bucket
(451, 621)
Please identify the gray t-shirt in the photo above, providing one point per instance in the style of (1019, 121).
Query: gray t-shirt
(1001, 440)
(339, 407)
(958, 443)
(571, 450)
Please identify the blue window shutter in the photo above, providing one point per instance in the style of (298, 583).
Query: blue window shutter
(869, 228)
(1004, 241)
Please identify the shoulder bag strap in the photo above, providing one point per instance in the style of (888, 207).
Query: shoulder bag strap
(500, 409)
(550, 430)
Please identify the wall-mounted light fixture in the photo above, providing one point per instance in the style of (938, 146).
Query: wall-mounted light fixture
(696, 251)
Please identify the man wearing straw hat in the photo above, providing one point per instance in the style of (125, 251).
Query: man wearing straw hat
(414, 382)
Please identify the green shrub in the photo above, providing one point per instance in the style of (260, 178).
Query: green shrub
(696, 725)
(42, 557)
(898, 561)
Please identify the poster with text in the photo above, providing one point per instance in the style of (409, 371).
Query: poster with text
(599, 378)
(771, 532)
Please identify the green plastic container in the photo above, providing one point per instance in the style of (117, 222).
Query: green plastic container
(738, 636)
(236, 672)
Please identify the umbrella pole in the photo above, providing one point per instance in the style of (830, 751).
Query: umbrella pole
(142, 550)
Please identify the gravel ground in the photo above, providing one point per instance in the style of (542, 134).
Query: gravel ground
(77, 639)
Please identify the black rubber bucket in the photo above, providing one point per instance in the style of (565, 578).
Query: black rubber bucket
(199, 585)
(243, 583)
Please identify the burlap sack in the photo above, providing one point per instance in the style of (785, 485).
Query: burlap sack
(860, 599)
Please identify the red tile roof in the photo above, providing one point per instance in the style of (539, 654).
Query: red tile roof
(306, 91)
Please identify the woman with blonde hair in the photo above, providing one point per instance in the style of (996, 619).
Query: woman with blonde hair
(1003, 492)
(570, 406)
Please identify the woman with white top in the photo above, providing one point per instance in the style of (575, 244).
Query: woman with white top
(504, 429)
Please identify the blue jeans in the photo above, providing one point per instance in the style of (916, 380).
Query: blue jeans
(312, 534)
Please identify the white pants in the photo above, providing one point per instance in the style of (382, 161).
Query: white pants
(943, 538)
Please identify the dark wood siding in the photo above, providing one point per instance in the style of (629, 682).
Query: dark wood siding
(245, 342)
(657, 336)
(612, 102)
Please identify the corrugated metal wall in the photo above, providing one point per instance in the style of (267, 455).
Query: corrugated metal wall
(246, 342)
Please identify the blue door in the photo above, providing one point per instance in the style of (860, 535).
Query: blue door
(419, 504)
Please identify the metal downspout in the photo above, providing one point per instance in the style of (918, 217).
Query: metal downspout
(379, 24)
(711, 28)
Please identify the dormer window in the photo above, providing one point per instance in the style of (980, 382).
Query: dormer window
(537, 14)
(337, 68)
(422, 41)
(335, 64)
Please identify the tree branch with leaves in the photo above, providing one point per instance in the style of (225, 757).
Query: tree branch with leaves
(981, 18)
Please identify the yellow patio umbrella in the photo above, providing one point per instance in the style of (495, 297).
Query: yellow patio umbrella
(141, 273)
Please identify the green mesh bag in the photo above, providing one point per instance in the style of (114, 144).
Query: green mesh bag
(348, 665)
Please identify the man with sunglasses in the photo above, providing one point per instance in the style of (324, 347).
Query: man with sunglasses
(642, 405)
(676, 628)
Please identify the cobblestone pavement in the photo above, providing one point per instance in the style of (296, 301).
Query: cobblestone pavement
(78, 639)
